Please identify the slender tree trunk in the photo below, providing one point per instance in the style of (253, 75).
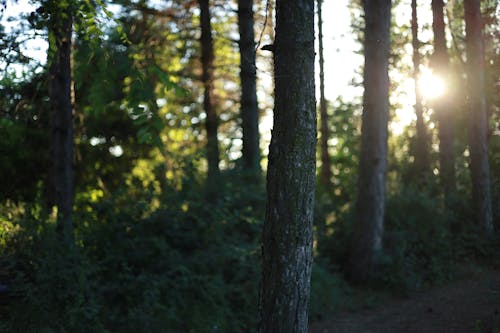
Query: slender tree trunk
(478, 119)
(369, 224)
(422, 161)
(326, 167)
(287, 238)
(211, 122)
(61, 120)
(443, 106)
(248, 76)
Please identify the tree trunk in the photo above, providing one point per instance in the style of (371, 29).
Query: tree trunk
(443, 105)
(211, 122)
(478, 119)
(249, 107)
(369, 223)
(287, 237)
(422, 161)
(326, 167)
(61, 120)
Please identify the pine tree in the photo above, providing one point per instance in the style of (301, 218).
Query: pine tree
(443, 106)
(248, 75)
(61, 119)
(370, 205)
(211, 122)
(478, 118)
(288, 234)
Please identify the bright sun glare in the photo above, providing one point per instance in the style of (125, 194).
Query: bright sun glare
(431, 86)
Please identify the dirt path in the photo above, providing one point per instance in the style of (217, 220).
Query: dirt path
(470, 306)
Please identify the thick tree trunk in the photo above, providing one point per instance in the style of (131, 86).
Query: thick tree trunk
(61, 121)
(287, 238)
(248, 75)
(478, 119)
(211, 122)
(422, 162)
(443, 105)
(369, 223)
(326, 167)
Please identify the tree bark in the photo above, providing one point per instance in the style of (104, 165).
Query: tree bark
(288, 236)
(248, 75)
(211, 122)
(326, 167)
(61, 120)
(443, 105)
(478, 118)
(422, 161)
(369, 223)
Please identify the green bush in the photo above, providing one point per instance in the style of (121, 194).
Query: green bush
(187, 266)
(418, 241)
(49, 281)
(329, 292)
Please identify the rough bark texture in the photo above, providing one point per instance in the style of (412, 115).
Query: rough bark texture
(326, 167)
(287, 238)
(211, 122)
(369, 223)
(249, 107)
(443, 105)
(478, 119)
(422, 161)
(61, 121)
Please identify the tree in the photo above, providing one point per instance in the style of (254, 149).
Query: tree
(478, 119)
(422, 166)
(370, 205)
(443, 106)
(249, 106)
(211, 122)
(287, 237)
(326, 167)
(61, 108)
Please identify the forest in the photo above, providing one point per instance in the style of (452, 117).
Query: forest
(245, 165)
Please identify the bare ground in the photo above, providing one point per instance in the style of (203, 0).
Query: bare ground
(468, 306)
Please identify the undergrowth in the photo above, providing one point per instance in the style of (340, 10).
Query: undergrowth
(187, 266)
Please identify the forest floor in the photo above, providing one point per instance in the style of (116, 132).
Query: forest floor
(471, 305)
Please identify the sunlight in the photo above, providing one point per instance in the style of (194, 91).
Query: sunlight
(431, 85)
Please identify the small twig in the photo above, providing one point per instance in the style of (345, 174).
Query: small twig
(264, 27)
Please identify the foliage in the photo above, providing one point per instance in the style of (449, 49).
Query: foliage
(184, 267)
(50, 290)
(426, 244)
(23, 121)
(329, 292)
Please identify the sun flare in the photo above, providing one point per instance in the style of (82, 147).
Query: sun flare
(431, 85)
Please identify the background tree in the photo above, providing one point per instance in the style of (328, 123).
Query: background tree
(370, 205)
(248, 77)
(60, 23)
(287, 239)
(326, 167)
(211, 122)
(422, 158)
(478, 117)
(443, 105)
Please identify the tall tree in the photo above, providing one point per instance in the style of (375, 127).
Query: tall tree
(370, 206)
(211, 122)
(326, 167)
(61, 121)
(287, 238)
(422, 166)
(478, 119)
(248, 75)
(443, 105)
